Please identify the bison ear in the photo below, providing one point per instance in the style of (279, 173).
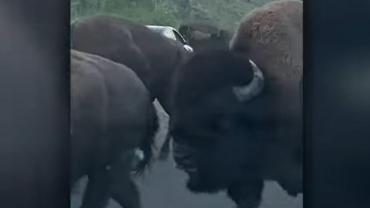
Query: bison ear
(252, 89)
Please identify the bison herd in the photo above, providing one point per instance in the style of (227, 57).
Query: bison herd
(235, 104)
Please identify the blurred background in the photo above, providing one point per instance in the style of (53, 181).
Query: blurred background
(224, 14)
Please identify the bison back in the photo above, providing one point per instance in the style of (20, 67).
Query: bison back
(108, 111)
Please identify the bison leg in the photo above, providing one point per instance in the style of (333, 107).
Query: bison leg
(123, 190)
(97, 190)
(126, 194)
(247, 194)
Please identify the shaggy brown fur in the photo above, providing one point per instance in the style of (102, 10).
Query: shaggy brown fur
(225, 143)
(272, 36)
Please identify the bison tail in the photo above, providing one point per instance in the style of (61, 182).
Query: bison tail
(148, 142)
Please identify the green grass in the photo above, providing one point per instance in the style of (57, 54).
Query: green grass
(222, 13)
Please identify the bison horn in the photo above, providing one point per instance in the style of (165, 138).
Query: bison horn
(247, 92)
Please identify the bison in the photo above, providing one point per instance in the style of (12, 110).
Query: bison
(236, 114)
(111, 115)
(151, 55)
(201, 36)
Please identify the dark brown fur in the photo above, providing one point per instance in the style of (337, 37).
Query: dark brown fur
(111, 114)
(152, 56)
(224, 143)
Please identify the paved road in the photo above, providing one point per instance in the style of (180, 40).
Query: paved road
(164, 187)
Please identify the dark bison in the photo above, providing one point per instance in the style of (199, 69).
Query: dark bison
(151, 55)
(111, 115)
(201, 36)
(237, 117)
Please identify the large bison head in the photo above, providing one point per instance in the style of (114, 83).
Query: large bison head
(224, 124)
(209, 118)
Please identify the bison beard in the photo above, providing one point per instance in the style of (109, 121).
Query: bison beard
(210, 172)
(216, 175)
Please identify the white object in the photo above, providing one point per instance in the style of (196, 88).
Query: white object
(171, 33)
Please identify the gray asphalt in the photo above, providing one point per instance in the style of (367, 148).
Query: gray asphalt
(164, 187)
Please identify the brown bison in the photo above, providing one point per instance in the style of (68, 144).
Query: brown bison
(236, 117)
(151, 55)
(111, 115)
